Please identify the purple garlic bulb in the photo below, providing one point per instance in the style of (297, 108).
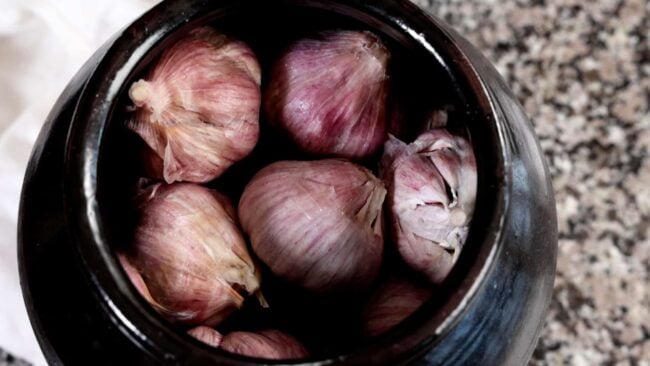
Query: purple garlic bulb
(188, 257)
(329, 93)
(206, 335)
(431, 194)
(395, 300)
(317, 224)
(198, 108)
(269, 344)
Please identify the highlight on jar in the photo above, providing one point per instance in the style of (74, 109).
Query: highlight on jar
(264, 184)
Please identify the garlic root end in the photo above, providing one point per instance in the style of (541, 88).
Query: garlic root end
(139, 93)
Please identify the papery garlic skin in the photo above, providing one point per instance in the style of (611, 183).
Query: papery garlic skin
(269, 344)
(454, 158)
(198, 108)
(191, 255)
(330, 94)
(206, 335)
(431, 196)
(138, 282)
(395, 300)
(317, 224)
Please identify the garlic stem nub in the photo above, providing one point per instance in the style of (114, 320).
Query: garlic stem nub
(458, 217)
(139, 93)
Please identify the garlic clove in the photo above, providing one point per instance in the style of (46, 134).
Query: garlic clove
(431, 195)
(454, 158)
(268, 344)
(206, 335)
(317, 224)
(394, 301)
(191, 255)
(329, 93)
(198, 109)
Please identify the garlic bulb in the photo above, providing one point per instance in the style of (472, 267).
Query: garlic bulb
(431, 195)
(190, 254)
(198, 109)
(329, 94)
(206, 335)
(317, 224)
(269, 344)
(394, 301)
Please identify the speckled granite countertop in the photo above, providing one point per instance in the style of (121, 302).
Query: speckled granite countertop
(582, 71)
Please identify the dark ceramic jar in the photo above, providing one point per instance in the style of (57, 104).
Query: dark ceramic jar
(85, 312)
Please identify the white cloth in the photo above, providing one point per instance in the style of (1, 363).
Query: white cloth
(42, 44)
